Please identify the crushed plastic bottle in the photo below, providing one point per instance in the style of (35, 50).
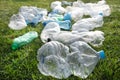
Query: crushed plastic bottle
(83, 59)
(24, 39)
(17, 22)
(51, 29)
(55, 3)
(88, 23)
(95, 38)
(52, 60)
(55, 59)
(67, 38)
(32, 15)
(59, 10)
(55, 17)
(66, 25)
(75, 13)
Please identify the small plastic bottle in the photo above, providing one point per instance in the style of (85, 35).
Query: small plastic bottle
(24, 39)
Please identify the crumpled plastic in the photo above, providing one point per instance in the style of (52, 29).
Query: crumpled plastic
(59, 61)
(88, 24)
(27, 15)
(17, 22)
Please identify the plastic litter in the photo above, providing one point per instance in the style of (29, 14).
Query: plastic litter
(32, 15)
(75, 13)
(24, 39)
(88, 23)
(93, 9)
(50, 30)
(64, 53)
(66, 25)
(95, 38)
(66, 3)
(52, 60)
(59, 10)
(27, 15)
(83, 59)
(55, 3)
(55, 59)
(55, 17)
(17, 22)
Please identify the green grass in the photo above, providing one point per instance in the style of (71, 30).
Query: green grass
(22, 63)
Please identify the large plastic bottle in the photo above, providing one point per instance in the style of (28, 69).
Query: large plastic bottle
(95, 38)
(88, 23)
(52, 60)
(83, 59)
(24, 39)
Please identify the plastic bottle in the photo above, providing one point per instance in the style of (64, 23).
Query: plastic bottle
(66, 25)
(88, 23)
(59, 10)
(24, 39)
(59, 61)
(83, 59)
(17, 22)
(51, 29)
(55, 3)
(52, 60)
(55, 17)
(95, 38)
(75, 13)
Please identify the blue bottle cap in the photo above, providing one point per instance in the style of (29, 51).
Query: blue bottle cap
(101, 54)
(67, 16)
(101, 14)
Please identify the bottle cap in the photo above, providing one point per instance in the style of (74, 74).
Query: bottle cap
(101, 54)
(101, 14)
(14, 46)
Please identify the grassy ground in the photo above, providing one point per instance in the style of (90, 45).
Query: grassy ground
(22, 63)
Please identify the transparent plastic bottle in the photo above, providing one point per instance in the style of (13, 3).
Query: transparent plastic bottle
(51, 29)
(24, 39)
(83, 59)
(17, 22)
(88, 23)
(66, 25)
(52, 60)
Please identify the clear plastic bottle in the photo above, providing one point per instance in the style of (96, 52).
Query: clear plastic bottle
(88, 23)
(66, 25)
(17, 22)
(51, 29)
(52, 60)
(75, 13)
(24, 39)
(83, 59)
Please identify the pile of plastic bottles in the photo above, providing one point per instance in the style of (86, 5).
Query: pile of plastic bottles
(65, 51)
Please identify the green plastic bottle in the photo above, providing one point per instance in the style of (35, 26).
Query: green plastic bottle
(24, 39)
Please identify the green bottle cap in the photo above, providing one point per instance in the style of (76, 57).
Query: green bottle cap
(14, 46)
